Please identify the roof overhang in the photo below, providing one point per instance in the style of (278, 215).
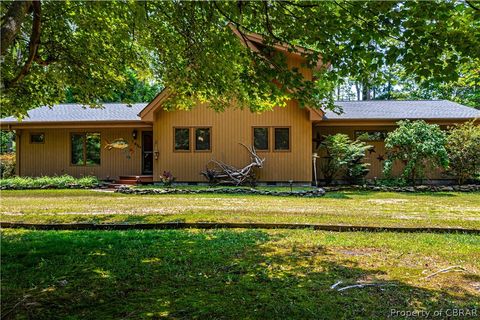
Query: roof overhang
(148, 113)
(73, 125)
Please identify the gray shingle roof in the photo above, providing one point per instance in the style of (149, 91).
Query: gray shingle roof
(79, 113)
(397, 110)
(352, 110)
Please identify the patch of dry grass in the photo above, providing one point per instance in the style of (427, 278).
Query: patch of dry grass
(352, 208)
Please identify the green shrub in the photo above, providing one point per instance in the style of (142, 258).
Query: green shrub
(7, 165)
(418, 145)
(59, 182)
(7, 142)
(344, 157)
(463, 148)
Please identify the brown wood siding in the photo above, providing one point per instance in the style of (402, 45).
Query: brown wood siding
(376, 166)
(53, 156)
(228, 129)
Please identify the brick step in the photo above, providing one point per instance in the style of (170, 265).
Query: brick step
(134, 178)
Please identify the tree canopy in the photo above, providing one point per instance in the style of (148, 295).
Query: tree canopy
(49, 48)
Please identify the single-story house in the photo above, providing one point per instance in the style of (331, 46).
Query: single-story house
(120, 141)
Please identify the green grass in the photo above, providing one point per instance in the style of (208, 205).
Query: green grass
(232, 274)
(358, 208)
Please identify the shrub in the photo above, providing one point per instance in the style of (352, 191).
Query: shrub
(7, 165)
(463, 148)
(167, 178)
(418, 145)
(59, 182)
(345, 157)
(7, 141)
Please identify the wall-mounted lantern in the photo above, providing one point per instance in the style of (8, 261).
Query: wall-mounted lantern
(155, 151)
(134, 134)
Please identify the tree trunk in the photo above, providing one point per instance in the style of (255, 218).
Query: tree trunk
(365, 91)
(12, 22)
(33, 44)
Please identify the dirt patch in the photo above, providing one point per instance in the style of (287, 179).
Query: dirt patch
(388, 201)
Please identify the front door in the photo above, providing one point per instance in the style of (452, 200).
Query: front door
(147, 152)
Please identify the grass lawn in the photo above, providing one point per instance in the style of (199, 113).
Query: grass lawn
(233, 274)
(360, 208)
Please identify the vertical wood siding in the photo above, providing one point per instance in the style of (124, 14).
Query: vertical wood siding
(53, 156)
(228, 129)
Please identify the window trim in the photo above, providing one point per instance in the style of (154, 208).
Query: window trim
(268, 138)
(84, 134)
(194, 136)
(35, 133)
(189, 140)
(289, 138)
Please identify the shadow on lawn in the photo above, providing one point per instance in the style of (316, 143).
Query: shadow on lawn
(191, 274)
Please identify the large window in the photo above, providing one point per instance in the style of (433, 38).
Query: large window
(85, 148)
(181, 139)
(202, 139)
(260, 138)
(370, 135)
(282, 139)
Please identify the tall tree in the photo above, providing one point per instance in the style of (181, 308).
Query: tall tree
(48, 46)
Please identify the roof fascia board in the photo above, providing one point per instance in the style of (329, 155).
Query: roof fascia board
(147, 114)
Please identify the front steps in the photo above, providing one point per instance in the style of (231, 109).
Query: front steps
(132, 180)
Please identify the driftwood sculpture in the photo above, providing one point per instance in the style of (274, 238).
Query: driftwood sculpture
(223, 173)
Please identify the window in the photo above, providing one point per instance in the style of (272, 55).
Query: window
(282, 139)
(182, 139)
(202, 139)
(37, 138)
(85, 148)
(260, 139)
(370, 135)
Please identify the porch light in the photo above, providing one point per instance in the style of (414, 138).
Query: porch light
(134, 134)
(155, 152)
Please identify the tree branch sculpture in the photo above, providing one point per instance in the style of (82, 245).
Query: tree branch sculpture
(223, 173)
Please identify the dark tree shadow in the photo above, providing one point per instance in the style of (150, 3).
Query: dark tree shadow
(220, 274)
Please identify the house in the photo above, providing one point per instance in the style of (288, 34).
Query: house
(144, 140)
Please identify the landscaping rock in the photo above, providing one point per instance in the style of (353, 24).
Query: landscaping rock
(319, 192)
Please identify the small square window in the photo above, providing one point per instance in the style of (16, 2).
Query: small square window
(37, 138)
(182, 139)
(282, 139)
(202, 139)
(260, 139)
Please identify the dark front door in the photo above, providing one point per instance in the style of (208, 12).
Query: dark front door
(147, 152)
